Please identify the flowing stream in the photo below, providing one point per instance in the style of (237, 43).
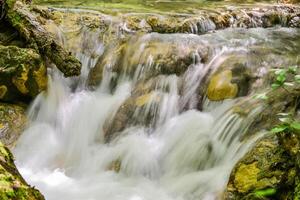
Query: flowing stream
(177, 145)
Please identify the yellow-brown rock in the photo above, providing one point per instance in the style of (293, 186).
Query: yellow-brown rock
(220, 87)
(23, 74)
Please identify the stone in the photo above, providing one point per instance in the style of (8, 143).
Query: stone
(13, 121)
(157, 54)
(23, 74)
(30, 29)
(220, 87)
(12, 185)
(268, 165)
(126, 114)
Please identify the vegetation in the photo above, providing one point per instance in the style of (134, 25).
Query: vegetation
(286, 78)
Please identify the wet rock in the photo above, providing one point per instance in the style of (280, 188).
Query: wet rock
(272, 163)
(115, 166)
(136, 110)
(161, 24)
(13, 186)
(143, 57)
(137, 23)
(12, 122)
(22, 73)
(198, 25)
(30, 29)
(220, 86)
(9, 36)
(295, 22)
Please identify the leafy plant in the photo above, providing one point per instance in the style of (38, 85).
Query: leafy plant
(265, 192)
(282, 76)
(288, 123)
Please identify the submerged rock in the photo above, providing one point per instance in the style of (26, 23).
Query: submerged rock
(12, 185)
(23, 74)
(136, 110)
(12, 122)
(220, 87)
(150, 55)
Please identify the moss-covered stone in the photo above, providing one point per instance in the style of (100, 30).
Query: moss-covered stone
(22, 73)
(268, 165)
(9, 36)
(220, 86)
(12, 122)
(12, 185)
(30, 29)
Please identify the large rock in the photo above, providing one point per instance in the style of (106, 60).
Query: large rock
(274, 162)
(30, 29)
(232, 79)
(12, 185)
(133, 112)
(271, 164)
(23, 74)
(149, 55)
(12, 122)
(220, 87)
(9, 36)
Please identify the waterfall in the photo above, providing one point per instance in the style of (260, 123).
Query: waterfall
(168, 149)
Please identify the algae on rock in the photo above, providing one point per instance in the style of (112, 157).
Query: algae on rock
(23, 74)
(29, 27)
(12, 185)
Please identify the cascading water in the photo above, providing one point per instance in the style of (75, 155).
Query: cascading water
(167, 150)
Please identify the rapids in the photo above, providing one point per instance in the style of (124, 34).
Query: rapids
(185, 151)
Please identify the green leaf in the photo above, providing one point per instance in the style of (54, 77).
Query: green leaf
(297, 78)
(279, 129)
(280, 71)
(275, 86)
(281, 78)
(295, 125)
(265, 192)
(293, 69)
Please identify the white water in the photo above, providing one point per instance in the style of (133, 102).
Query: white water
(63, 154)
(186, 155)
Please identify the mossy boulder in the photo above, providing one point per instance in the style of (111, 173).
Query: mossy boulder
(12, 122)
(221, 87)
(9, 36)
(23, 75)
(27, 24)
(12, 185)
(271, 164)
(233, 78)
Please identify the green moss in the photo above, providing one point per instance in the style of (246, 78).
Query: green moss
(12, 185)
(22, 72)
